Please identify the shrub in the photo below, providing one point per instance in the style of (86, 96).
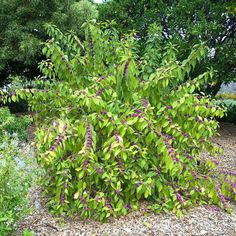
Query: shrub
(17, 82)
(230, 106)
(112, 132)
(16, 176)
(226, 96)
(11, 124)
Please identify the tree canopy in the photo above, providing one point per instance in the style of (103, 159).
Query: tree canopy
(184, 23)
(22, 30)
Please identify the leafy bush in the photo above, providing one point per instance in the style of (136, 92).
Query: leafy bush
(113, 132)
(18, 82)
(11, 124)
(16, 176)
(230, 106)
(226, 96)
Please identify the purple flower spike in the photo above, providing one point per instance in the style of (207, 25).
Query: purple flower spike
(127, 206)
(177, 160)
(125, 69)
(104, 112)
(82, 200)
(99, 92)
(63, 199)
(117, 137)
(52, 148)
(119, 161)
(195, 176)
(229, 172)
(179, 198)
(89, 136)
(196, 189)
(86, 162)
(102, 78)
(139, 183)
(138, 111)
(124, 122)
(91, 44)
(215, 161)
(169, 107)
(58, 141)
(185, 134)
(145, 103)
(99, 118)
(222, 197)
(117, 191)
(86, 208)
(99, 171)
(136, 115)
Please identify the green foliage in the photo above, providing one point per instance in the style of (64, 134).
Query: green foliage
(114, 130)
(12, 124)
(22, 30)
(184, 23)
(27, 233)
(230, 106)
(16, 177)
(81, 12)
(17, 82)
(226, 96)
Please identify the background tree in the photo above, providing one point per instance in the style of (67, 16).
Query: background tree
(80, 12)
(22, 30)
(184, 23)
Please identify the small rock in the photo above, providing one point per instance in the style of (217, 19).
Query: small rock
(128, 230)
(203, 232)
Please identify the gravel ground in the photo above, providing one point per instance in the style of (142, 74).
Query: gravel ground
(204, 220)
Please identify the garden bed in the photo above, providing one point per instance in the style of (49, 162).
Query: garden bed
(204, 220)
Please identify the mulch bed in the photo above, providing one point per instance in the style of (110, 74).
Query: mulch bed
(203, 220)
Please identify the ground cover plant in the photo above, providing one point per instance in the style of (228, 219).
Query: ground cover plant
(11, 124)
(222, 96)
(230, 106)
(115, 128)
(17, 170)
